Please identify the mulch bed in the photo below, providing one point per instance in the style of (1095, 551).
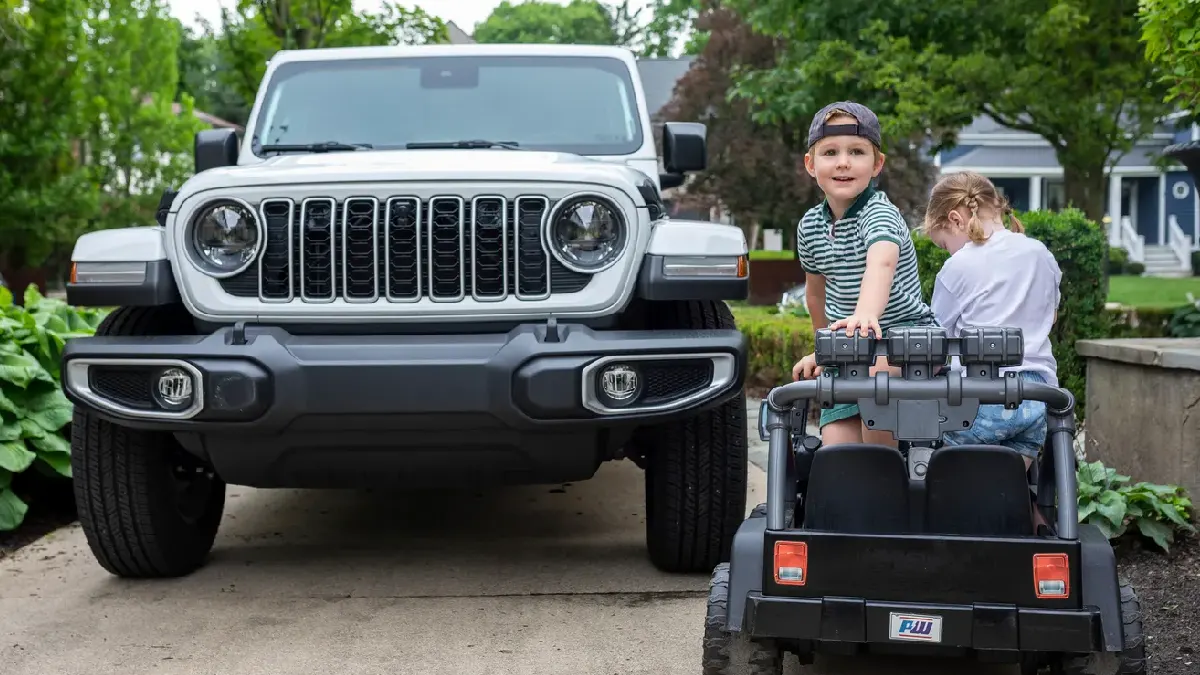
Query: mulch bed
(51, 506)
(1169, 587)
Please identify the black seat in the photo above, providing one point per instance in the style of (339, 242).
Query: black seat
(858, 488)
(980, 490)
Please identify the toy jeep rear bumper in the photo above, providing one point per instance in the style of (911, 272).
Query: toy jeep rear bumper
(961, 594)
(279, 409)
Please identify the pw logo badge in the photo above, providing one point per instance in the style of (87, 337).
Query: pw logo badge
(915, 627)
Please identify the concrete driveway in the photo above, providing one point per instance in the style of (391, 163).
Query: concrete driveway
(528, 580)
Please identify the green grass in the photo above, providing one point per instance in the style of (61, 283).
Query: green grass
(1156, 292)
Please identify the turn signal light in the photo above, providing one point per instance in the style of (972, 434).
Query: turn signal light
(1051, 575)
(743, 267)
(791, 563)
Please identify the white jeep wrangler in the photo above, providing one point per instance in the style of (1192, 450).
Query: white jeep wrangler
(423, 266)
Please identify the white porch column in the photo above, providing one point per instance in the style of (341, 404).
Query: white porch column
(1035, 193)
(1114, 209)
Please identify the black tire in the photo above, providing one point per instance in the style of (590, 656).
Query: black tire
(1132, 659)
(695, 468)
(126, 479)
(732, 653)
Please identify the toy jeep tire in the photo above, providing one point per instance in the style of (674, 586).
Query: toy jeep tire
(1129, 661)
(728, 653)
(147, 507)
(696, 467)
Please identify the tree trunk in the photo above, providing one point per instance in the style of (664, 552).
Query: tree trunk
(1085, 187)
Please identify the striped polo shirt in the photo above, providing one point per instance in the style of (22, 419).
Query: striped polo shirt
(838, 252)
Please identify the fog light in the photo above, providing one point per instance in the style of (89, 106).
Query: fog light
(174, 389)
(619, 385)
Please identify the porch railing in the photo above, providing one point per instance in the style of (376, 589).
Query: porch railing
(1132, 241)
(1180, 243)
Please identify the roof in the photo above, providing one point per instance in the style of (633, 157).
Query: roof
(1039, 157)
(458, 36)
(659, 77)
(472, 49)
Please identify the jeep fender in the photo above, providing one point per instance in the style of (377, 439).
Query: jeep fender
(126, 267)
(695, 260)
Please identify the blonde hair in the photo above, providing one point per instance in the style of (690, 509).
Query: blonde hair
(974, 192)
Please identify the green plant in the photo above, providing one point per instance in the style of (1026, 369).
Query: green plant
(1196, 263)
(1185, 322)
(34, 413)
(775, 342)
(763, 254)
(1136, 269)
(1118, 259)
(1111, 504)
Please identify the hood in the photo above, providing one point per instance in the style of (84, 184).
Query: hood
(419, 165)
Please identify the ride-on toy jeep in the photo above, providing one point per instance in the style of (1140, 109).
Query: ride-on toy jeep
(422, 266)
(866, 549)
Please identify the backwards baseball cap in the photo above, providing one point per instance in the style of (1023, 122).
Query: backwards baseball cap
(866, 124)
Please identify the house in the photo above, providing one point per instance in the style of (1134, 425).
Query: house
(458, 36)
(1153, 210)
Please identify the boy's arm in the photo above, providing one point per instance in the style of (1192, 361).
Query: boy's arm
(881, 229)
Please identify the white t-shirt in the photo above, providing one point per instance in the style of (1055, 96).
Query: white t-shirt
(1009, 280)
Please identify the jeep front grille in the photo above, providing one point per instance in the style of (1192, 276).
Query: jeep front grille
(404, 249)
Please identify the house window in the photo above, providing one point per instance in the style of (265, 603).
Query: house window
(1054, 194)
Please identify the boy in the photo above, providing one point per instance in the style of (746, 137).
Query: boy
(856, 250)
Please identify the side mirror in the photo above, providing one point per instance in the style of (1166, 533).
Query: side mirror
(670, 180)
(685, 147)
(215, 148)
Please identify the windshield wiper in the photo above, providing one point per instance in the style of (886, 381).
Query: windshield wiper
(327, 146)
(462, 145)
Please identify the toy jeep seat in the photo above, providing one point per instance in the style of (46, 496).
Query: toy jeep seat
(858, 488)
(977, 490)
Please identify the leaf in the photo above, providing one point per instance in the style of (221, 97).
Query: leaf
(21, 369)
(12, 509)
(1112, 506)
(51, 444)
(1160, 533)
(51, 410)
(14, 456)
(58, 462)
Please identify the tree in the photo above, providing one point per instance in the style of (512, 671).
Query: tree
(139, 139)
(202, 70)
(1070, 71)
(757, 170)
(44, 193)
(542, 22)
(256, 29)
(1171, 31)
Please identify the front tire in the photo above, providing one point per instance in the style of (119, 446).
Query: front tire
(148, 508)
(695, 468)
(728, 653)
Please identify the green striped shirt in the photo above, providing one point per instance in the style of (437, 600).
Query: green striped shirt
(838, 252)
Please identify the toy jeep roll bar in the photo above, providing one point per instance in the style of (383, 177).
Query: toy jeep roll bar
(921, 407)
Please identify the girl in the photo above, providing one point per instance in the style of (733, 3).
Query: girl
(995, 277)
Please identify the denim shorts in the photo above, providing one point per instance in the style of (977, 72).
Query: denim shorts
(1022, 430)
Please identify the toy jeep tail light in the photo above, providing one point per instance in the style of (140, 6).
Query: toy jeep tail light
(791, 562)
(1051, 575)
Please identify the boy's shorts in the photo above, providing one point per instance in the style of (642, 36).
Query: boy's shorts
(1022, 430)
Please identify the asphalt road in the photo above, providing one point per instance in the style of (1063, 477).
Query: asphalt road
(529, 580)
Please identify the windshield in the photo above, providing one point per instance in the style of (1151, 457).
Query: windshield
(582, 105)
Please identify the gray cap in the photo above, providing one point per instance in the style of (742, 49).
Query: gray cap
(867, 127)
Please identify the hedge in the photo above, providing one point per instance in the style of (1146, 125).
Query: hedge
(775, 343)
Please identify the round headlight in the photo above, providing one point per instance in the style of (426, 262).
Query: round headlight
(587, 234)
(225, 238)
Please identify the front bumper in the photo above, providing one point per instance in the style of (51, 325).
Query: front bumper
(265, 380)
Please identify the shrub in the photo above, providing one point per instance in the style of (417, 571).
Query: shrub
(763, 254)
(34, 414)
(1185, 321)
(1139, 322)
(1081, 248)
(1136, 269)
(1196, 263)
(1109, 502)
(1118, 258)
(775, 343)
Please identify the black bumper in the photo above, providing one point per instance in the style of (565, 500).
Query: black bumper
(1002, 628)
(305, 410)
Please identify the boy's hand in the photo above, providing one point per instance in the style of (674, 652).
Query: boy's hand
(861, 323)
(806, 368)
